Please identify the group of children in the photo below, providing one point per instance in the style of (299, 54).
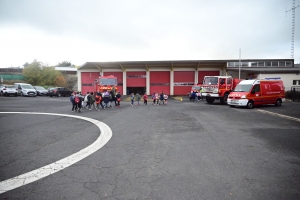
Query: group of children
(93, 101)
(157, 99)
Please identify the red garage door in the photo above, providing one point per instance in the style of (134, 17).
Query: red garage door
(183, 81)
(119, 76)
(201, 75)
(160, 81)
(88, 81)
(136, 79)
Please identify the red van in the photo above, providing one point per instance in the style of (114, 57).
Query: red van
(257, 92)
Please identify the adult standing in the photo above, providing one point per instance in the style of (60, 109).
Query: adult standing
(92, 101)
(72, 99)
(161, 97)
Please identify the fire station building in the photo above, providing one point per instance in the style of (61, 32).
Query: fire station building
(177, 77)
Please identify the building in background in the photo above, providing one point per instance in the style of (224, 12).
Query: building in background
(177, 77)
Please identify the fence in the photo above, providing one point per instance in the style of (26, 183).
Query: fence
(295, 93)
(9, 77)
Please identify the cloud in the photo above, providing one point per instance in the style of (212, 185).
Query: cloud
(146, 30)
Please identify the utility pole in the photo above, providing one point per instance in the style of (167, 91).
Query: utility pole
(240, 65)
(293, 27)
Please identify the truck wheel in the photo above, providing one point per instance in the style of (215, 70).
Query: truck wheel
(278, 102)
(224, 99)
(250, 104)
(210, 100)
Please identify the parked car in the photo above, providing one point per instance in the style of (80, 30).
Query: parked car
(9, 90)
(25, 89)
(59, 91)
(40, 91)
(1, 87)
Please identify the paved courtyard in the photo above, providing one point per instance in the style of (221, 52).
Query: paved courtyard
(183, 150)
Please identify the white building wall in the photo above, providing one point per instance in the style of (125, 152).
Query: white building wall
(234, 74)
(286, 78)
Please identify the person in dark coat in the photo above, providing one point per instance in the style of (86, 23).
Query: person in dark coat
(161, 98)
(118, 98)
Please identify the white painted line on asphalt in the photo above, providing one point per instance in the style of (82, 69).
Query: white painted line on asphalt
(279, 115)
(29, 177)
(59, 100)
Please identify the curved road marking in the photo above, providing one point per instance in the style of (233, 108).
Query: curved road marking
(47, 170)
(280, 115)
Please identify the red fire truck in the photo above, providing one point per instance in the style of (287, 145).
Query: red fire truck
(218, 87)
(106, 83)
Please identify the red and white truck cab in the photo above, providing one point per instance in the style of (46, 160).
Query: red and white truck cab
(218, 87)
(257, 92)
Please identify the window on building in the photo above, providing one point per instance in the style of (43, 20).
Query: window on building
(267, 64)
(245, 64)
(296, 82)
(274, 64)
(281, 63)
(253, 64)
(261, 64)
(230, 64)
(288, 63)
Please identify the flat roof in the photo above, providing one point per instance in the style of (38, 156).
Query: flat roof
(123, 65)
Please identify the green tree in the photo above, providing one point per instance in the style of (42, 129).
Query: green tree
(36, 73)
(32, 72)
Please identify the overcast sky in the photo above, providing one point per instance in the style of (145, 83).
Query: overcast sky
(82, 31)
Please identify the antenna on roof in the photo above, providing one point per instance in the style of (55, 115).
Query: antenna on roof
(293, 27)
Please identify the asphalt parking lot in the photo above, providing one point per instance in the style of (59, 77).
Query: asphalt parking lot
(183, 150)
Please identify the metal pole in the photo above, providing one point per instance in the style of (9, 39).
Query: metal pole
(240, 66)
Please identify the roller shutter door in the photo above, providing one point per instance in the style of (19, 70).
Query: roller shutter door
(136, 79)
(88, 81)
(160, 81)
(183, 81)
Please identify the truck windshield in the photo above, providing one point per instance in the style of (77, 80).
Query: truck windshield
(211, 80)
(196, 87)
(108, 81)
(242, 88)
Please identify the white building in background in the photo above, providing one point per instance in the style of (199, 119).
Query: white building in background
(67, 70)
(288, 72)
